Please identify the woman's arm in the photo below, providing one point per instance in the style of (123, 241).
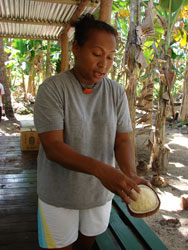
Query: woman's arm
(125, 156)
(113, 179)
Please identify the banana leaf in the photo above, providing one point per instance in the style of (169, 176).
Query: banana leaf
(180, 124)
(176, 4)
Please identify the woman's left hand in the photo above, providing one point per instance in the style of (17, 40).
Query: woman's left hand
(140, 180)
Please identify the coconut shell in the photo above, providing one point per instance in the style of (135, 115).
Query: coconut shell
(146, 213)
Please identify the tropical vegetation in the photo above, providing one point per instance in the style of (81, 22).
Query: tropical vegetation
(151, 63)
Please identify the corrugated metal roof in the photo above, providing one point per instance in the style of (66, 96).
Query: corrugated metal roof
(38, 19)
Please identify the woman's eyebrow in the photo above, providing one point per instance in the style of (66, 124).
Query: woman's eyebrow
(103, 49)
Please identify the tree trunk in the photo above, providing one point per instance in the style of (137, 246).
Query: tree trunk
(31, 79)
(131, 96)
(132, 78)
(145, 102)
(159, 156)
(48, 73)
(160, 152)
(184, 105)
(3, 79)
(23, 84)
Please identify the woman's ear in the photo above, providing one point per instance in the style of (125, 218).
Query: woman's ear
(75, 48)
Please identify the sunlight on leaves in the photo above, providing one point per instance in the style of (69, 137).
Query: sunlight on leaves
(177, 35)
(183, 41)
(124, 13)
(184, 13)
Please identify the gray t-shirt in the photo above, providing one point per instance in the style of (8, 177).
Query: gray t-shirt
(89, 123)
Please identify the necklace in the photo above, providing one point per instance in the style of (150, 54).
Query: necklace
(85, 90)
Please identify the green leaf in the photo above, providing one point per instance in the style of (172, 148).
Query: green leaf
(122, 4)
(21, 46)
(159, 29)
(174, 55)
(147, 54)
(177, 71)
(32, 55)
(180, 124)
(176, 4)
(156, 80)
(148, 43)
(115, 7)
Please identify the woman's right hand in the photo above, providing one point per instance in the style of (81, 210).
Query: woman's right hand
(117, 182)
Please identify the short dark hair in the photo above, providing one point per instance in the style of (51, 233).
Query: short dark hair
(85, 24)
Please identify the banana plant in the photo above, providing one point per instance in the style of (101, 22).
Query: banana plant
(180, 37)
(168, 12)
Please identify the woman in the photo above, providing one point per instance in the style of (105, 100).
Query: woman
(83, 122)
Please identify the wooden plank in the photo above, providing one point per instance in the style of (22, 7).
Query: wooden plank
(29, 171)
(24, 202)
(21, 238)
(18, 185)
(17, 190)
(22, 175)
(123, 233)
(17, 180)
(17, 210)
(14, 218)
(105, 242)
(19, 227)
(11, 154)
(145, 233)
(26, 196)
(25, 246)
(10, 170)
(18, 197)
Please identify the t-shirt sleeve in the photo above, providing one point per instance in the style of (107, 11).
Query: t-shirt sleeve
(48, 108)
(123, 115)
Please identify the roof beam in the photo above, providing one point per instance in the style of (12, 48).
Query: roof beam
(77, 13)
(22, 21)
(27, 37)
(71, 2)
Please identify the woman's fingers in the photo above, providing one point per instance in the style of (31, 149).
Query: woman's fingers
(126, 193)
(120, 184)
(124, 197)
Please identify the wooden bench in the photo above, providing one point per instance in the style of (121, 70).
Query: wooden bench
(127, 232)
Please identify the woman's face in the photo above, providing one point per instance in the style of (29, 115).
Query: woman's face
(94, 59)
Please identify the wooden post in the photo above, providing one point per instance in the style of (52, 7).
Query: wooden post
(105, 11)
(64, 52)
(64, 35)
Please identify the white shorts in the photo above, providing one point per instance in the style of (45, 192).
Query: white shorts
(58, 227)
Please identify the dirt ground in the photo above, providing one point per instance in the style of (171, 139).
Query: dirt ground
(170, 223)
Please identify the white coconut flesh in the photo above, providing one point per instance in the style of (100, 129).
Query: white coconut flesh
(146, 200)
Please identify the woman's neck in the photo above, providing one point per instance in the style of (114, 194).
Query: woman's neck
(79, 77)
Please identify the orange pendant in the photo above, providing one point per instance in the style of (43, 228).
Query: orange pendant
(87, 91)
